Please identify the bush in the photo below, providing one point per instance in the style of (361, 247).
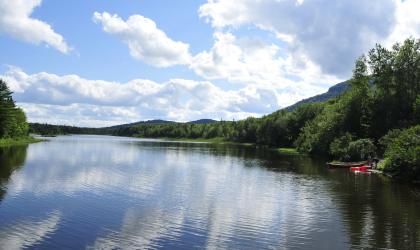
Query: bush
(343, 148)
(388, 139)
(402, 156)
(361, 149)
(339, 148)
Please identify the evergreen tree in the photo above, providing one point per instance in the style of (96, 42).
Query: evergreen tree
(12, 119)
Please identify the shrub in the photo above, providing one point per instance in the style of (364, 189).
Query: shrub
(343, 148)
(388, 139)
(402, 155)
(339, 148)
(361, 149)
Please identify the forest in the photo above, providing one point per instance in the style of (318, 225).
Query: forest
(377, 116)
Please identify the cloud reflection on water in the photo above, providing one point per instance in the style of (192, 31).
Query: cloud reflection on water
(27, 233)
(179, 192)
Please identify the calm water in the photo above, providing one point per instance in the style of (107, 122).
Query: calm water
(78, 192)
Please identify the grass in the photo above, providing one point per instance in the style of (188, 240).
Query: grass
(289, 151)
(18, 141)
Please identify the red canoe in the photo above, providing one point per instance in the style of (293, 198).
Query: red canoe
(360, 169)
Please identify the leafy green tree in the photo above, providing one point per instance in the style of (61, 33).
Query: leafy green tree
(396, 77)
(402, 156)
(361, 149)
(339, 148)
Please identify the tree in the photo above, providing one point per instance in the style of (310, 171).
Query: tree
(12, 119)
(7, 110)
(402, 156)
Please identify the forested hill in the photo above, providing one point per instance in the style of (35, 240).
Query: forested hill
(149, 122)
(49, 130)
(160, 122)
(203, 121)
(332, 92)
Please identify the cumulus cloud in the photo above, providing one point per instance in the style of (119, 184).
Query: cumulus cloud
(407, 21)
(16, 21)
(252, 61)
(74, 100)
(329, 33)
(145, 40)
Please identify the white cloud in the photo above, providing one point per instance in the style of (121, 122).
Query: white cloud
(331, 34)
(145, 40)
(251, 61)
(73, 100)
(407, 21)
(16, 21)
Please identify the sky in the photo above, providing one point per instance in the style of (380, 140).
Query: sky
(98, 63)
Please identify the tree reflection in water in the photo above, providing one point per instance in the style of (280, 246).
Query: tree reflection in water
(11, 160)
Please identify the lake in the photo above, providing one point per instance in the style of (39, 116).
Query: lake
(102, 192)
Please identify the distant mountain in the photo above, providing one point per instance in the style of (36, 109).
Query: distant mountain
(203, 121)
(157, 122)
(149, 122)
(332, 92)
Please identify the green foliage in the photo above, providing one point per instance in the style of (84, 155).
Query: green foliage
(383, 95)
(345, 149)
(12, 119)
(402, 155)
(361, 149)
(53, 130)
(279, 129)
(339, 148)
(388, 139)
(416, 108)
(396, 75)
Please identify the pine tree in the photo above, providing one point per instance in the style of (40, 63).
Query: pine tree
(7, 111)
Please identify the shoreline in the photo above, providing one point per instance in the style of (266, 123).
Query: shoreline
(19, 141)
(217, 140)
(222, 141)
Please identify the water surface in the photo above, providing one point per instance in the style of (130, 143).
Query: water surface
(99, 192)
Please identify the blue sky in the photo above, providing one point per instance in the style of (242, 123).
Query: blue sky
(99, 63)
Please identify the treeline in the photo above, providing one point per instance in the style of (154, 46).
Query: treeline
(12, 119)
(53, 130)
(280, 129)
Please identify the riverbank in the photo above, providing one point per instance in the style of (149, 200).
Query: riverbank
(221, 140)
(19, 141)
(216, 140)
(289, 151)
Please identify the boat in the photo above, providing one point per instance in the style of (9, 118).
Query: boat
(346, 164)
(360, 169)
